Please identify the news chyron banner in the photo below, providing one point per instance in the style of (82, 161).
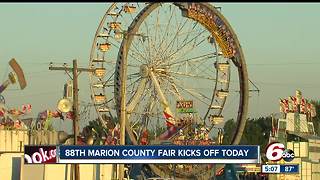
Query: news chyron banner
(143, 154)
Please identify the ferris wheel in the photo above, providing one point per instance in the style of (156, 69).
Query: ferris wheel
(168, 66)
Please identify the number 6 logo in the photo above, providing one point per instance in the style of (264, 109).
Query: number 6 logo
(274, 151)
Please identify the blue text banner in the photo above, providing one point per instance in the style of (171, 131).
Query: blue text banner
(159, 154)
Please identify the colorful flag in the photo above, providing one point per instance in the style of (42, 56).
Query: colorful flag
(57, 114)
(294, 103)
(26, 108)
(166, 115)
(281, 105)
(2, 111)
(43, 115)
(70, 115)
(169, 119)
(285, 104)
(17, 124)
(29, 108)
(169, 124)
(303, 106)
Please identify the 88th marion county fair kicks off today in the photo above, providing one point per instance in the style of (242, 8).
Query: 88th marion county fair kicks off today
(143, 154)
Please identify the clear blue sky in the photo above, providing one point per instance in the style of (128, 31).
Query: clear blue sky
(280, 42)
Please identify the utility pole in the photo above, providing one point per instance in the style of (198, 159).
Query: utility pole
(75, 73)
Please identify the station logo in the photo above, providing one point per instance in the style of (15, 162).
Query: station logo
(276, 151)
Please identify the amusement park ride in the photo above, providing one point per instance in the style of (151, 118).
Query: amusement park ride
(154, 58)
(8, 117)
(161, 73)
(17, 74)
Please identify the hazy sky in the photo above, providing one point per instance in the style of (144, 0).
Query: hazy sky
(280, 42)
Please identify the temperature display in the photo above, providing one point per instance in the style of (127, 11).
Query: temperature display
(289, 168)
